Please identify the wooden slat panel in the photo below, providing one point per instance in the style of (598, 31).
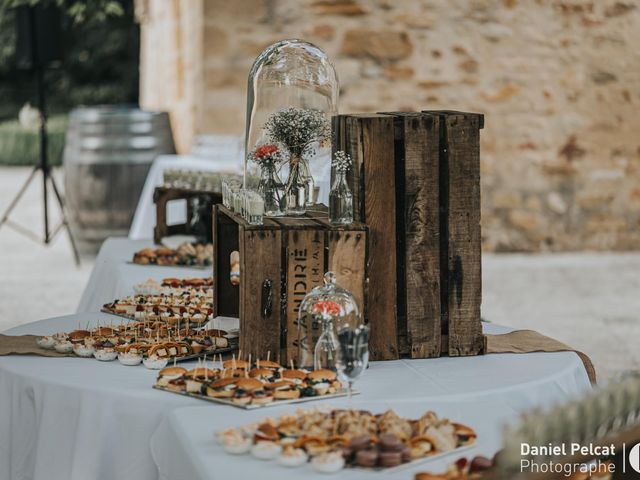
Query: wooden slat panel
(226, 301)
(305, 270)
(369, 140)
(421, 234)
(260, 260)
(464, 245)
(347, 258)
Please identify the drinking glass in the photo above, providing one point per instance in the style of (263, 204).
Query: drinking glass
(353, 354)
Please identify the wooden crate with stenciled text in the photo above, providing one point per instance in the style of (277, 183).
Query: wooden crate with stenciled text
(279, 262)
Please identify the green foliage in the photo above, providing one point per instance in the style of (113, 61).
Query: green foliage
(21, 147)
(100, 64)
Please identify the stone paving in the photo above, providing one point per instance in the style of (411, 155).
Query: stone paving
(590, 301)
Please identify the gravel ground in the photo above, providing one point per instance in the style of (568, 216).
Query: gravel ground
(590, 301)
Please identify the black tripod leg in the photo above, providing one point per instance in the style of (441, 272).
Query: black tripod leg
(17, 198)
(65, 221)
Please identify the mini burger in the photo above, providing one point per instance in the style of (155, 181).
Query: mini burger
(294, 376)
(263, 374)
(251, 390)
(323, 381)
(235, 364)
(172, 378)
(78, 336)
(283, 390)
(196, 378)
(223, 388)
(273, 366)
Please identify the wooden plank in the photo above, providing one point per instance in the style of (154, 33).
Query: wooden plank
(369, 139)
(347, 258)
(305, 270)
(464, 238)
(260, 261)
(421, 234)
(226, 301)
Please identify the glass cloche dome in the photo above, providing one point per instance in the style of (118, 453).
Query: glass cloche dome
(325, 310)
(292, 93)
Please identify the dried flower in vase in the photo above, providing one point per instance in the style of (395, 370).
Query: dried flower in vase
(297, 129)
(341, 162)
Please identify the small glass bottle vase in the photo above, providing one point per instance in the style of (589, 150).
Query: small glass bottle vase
(326, 349)
(340, 200)
(296, 189)
(270, 188)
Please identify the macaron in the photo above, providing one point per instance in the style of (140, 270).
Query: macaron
(390, 443)
(367, 458)
(360, 443)
(390, 459)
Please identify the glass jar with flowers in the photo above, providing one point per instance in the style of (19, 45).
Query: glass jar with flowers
(299, 131)
(269, 158)
(292, 92)
(340, 197)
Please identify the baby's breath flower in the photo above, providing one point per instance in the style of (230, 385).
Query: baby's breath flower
(341, 161)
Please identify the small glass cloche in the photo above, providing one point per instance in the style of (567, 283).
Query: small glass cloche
(323, 311)
(292, 93)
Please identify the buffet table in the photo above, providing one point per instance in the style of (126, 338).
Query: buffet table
(72, 418)
(113, 275)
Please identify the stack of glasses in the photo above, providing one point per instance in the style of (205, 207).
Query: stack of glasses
(246, 202)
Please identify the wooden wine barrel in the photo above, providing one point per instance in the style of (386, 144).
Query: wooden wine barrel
(108, 152)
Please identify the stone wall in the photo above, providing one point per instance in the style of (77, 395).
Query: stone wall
(558, 81)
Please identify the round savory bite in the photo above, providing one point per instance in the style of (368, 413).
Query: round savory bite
(77, 336)
(268, 365)
(294, 376)
(283, 390)
(322, 381)
(169, 374)
(328, 462)
(197, 377)
(223, 388)
(154, 362)
(46, 342)
(235, 364)
(247, 389)
(130, 359)
(266, 450)
(293, 457)
(263, 374)
(82, 350)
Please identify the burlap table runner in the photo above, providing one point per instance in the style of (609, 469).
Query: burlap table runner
(528, 341)
(26, 345)
(519, 341)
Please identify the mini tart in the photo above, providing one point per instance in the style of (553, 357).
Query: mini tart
(105, 355)
(130, 359)
(84, 351)
(328, 462)
(46, 342)
(293, 457)
(266, 450)
(155, 362)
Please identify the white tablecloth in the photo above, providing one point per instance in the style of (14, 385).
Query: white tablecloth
(145, 217)
(184, 445)
(484, 392)
(113, 277)
(78, 419)
(71, 418)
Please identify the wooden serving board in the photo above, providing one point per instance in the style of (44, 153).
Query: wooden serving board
(340, 393)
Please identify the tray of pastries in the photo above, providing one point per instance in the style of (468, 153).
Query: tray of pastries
(192, 255)
(330, 440)
(152, 344)
(176, 307)
(245, 385)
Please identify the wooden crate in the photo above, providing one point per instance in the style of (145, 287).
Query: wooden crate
(280, 262)
(164, 195)
(416, 184)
